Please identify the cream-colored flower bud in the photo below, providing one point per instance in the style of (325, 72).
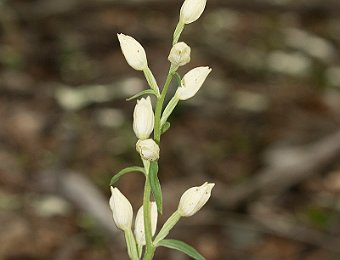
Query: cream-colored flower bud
(191, 10)
(179, 54)
(192, 82)
(194, 199)
(133, 51)
(139, 223)
(143, 118)
(121, 209)
(148, 149)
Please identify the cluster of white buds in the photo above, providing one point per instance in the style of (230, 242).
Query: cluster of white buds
(143, 124)
(123, 214)
(190, 203)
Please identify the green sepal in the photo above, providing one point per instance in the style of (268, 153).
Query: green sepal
(144, 92)
(181, 246)
(140, 251)
(116, 177)
(165, 127)
(155, 186)
(178, 78)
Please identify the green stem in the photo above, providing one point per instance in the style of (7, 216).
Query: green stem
(159, 106)
(168, 225)
(178, 31)
(131, 244)
(168, 109)
(149, 253)
(149, 248)
(160, 100)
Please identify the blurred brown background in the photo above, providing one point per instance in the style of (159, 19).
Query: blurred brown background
(265, 127)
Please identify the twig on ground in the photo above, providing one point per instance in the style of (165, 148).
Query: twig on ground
(290, 167)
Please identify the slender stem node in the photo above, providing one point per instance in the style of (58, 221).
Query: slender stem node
(177, 32)
(159, 106)
(149, 248)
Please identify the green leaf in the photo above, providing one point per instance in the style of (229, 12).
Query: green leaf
(144, 92)
(156, 186)
(165, 127)
(181, 246)
(116, 177)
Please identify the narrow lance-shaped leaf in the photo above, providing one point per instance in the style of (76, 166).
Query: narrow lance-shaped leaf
(151, 80)
(116, 177)
(181, 246)
(144, 92)
(156, 186)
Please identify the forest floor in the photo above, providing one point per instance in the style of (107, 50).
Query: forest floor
(265, 127)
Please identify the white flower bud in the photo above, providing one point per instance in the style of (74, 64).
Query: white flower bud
(139, 223)
(191, 10)
(192, 82)
(133, 51)
(179, 54)
(148, 149)
(194, 199)
(121, 210)
(143, 118)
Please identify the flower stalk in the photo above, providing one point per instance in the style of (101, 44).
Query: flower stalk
(149, 250)
(168, 225)
(131, 244)
(159, 106)
(146, 121)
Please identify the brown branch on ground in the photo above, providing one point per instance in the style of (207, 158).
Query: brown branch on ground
(288, 227)
(288, 167)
